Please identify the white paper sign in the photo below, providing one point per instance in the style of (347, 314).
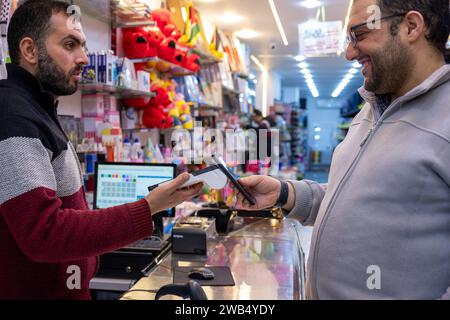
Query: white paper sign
(320, 38)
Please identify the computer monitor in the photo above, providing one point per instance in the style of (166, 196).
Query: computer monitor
(120, 183)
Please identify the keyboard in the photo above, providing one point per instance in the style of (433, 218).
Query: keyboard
(147, 244)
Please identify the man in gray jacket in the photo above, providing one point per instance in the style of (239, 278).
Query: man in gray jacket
(382, 224)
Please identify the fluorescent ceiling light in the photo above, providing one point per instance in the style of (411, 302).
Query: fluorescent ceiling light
(246, 34)
(349, 76)
(353, 71)
(310, 4)
(258, 63)
(230, 17)
(356, 64)
(308, 76)
(305, 71)
(278, 21)
(303, 65)
(300, 58)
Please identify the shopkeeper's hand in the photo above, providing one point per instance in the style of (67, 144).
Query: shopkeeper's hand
(169, 194)
(266, 191)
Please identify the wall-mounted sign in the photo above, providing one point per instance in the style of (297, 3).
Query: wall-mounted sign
(320, 38)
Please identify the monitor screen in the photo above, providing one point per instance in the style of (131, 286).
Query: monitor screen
(120, 183)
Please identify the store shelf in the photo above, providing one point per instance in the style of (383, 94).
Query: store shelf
(130, 15)
(228, 90)
(205, 56)
(165, 66)
(94, 87)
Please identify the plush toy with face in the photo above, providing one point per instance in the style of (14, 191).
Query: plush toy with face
(154, 117)
(191, 62)
(170, 30)
(162, 17)
(135, 43)
(167, 49)
(154, 38)
(161, 97)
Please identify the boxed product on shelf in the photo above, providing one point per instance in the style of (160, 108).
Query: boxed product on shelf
(112, 117)
(93, 105)
(90, 70)
(110, 103)
(129, 118)
(143, 79)
(92, 126)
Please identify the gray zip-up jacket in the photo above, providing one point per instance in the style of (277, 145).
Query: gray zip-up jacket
(382, 224)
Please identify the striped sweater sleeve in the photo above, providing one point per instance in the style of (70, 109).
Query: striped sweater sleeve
(33, 211)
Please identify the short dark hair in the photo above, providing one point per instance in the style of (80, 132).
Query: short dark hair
(32, 19)
(435, 14)
(257, 113)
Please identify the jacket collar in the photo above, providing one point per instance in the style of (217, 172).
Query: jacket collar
(437, 78)
(21, 79)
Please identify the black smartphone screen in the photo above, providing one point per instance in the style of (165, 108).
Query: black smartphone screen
(238, 186)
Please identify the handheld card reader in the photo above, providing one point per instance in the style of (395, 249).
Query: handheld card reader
(216, 177)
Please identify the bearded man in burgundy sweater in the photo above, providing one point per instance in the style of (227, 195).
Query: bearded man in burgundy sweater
(45, 224)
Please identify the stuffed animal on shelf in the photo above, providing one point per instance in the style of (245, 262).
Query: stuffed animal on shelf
(162, 17)
(154, 38)
(156, 113)
(167, 49)
(191, 62)
(174, 113)
(170, 30)
(155, 117)
(161, 97)
(185, 114)
(135, 43)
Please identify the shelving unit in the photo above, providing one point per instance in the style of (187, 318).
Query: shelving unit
(120, 92)
(165, 67)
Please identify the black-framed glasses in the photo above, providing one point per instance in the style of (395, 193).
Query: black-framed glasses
(352, 36)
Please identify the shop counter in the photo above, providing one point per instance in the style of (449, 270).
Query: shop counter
(265, 258)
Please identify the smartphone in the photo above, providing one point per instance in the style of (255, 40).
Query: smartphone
(238, 186)
(217, 160)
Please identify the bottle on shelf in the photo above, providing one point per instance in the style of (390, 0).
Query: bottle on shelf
(126, 151)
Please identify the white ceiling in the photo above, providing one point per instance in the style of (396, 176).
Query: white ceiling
(327, 72)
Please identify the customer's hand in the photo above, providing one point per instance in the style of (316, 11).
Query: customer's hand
(266, 191)
(169, 194)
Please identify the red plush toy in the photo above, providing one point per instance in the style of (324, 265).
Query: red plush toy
(191, 62)
(154, 38)
(155, 117)
(156, 113)
(161, 97)
(170, 30)
(167, 49)
(135, 43)
(162, 17)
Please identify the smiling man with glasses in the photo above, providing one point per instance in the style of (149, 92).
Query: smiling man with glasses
(382, 223)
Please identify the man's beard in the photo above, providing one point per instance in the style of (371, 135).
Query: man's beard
(390, 68)
(52, 77)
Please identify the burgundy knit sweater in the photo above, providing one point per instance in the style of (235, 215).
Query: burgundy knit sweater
(46, 229)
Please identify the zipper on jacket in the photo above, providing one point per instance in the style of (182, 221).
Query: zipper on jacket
(332, 201)
(367, 137)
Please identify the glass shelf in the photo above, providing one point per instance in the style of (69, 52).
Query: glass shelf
(165, 67)
(94, 87)
(125, 14)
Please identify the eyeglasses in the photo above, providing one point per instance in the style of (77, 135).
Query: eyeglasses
(352, 36)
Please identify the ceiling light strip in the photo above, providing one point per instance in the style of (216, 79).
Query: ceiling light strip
(265, 84)
(278, 21)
